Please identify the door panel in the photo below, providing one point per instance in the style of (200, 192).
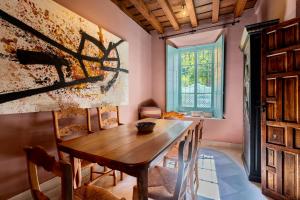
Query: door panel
(276, 135)
(276, 63)
(271, 157)
(279, 99)
(271, 111)
(290, 99)
(271, 180)
(280, 120)
(290, 175)
(297, 59)
(271, 40)
(290, 34)
(297, 138)
(271, 99)
(271, 87)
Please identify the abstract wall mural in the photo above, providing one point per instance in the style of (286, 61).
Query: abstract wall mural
(51, 57)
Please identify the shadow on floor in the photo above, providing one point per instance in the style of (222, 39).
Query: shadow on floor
(222, 178)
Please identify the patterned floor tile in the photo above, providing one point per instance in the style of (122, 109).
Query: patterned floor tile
(222, 178)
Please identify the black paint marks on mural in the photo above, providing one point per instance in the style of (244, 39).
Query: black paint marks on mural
(46, 58)
(113, 80)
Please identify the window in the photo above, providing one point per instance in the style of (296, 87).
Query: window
(195, 78)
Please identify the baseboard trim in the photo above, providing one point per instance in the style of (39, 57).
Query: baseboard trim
(46, 186)
(245, 165)
(220, 144)
(250, 176)
(253, 178)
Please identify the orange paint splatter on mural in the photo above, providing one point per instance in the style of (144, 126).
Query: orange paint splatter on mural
(9, 45)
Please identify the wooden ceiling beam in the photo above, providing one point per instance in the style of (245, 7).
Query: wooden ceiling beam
(239, 7)
(142, 8)
(169, 13)
(192, 13)
(215, 10)
(122, 7)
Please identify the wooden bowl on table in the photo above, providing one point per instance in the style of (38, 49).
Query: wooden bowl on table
(145, 127)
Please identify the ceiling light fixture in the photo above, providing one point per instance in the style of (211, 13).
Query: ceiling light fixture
(183, 10)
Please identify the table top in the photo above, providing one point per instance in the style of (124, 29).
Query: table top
(124, 146)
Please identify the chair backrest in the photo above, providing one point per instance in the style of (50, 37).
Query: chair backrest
(108, 117)
(184, 165)
(37, 156)
(150, 112)
(148, 103)
(196, 142)
(197, 137)
(200, 124)
(71, 123)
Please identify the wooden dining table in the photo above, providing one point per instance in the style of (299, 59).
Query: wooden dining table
(124, 149)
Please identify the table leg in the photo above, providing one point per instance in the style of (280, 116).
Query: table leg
(79, 176)
(76, 166)
(142, 184)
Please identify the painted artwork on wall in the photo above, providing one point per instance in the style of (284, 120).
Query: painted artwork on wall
(51, 57)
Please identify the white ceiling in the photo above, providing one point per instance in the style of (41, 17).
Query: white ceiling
(196, 38)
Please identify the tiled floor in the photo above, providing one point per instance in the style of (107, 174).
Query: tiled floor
(221, 177)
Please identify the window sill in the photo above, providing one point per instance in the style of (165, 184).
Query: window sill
(206, 118)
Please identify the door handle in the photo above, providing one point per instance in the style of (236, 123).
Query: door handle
(263, 107)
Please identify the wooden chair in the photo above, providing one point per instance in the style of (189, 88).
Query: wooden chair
(146, 108)
(172, 156)
(71, 123)
(108, 117)
(194, 176)
(169, 184)
(37, 156)
(200, 131)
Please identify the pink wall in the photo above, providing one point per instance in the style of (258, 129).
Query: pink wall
(19, 130)
(231, 128)
(158, 70)
(276, 9)
(298, 8)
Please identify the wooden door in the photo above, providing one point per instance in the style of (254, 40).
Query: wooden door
(281, 110)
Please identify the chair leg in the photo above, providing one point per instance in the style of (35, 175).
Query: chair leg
(121, 176)
(91, 173)
(79, 177)
(175, 164)
(192, 186)
(115, 177)
(93, 169)
(165, 162)
(197, 175)
(135, 194)
(76, 165)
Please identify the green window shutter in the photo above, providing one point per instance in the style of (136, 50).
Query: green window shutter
(176, 80)
(219, 78)
(172, 78)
